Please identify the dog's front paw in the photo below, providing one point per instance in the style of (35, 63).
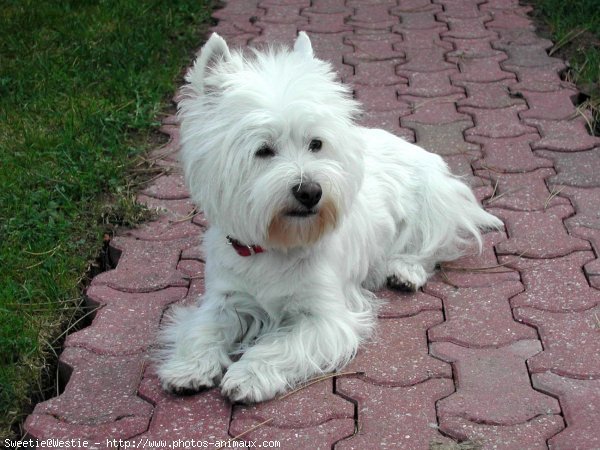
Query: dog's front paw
(188, 377)
(407, 277)
(251, 382)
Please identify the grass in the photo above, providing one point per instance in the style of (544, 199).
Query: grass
(574, 27)
(82, 86)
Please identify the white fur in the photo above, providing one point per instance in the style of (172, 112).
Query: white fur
(301, 308)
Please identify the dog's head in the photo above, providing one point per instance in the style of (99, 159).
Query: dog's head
(270, 149)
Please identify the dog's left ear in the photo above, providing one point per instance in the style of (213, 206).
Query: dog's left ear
(212, 52)
(303, 45)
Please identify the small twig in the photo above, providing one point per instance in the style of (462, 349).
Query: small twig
(53, 303)
(57, 366)
(493, 198)
(225, 444)
(317, 380)
(152, 169)
(416, 106)
(490, 169)
(52, 250)
(193, 277)
(139, 183)
(485, 268)
(158, 157)
(566, 39)
(446, 279)
(191, 215)
(553, 194)
(495, 189)
(70, 327)
(50, 254)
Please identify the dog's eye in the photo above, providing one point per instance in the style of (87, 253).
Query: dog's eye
(315, 145)
(265, 152)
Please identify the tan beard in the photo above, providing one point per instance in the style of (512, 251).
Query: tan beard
(286, 232)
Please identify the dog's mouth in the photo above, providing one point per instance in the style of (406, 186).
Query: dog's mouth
(301, 213)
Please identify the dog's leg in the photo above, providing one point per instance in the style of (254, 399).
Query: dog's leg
(309, 346)
(196, 343)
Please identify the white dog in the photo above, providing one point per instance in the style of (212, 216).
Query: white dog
(308, 212)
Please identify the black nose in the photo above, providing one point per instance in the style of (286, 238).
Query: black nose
(308, 194)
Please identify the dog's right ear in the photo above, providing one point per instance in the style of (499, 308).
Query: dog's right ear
(212, 52)
(303, 45)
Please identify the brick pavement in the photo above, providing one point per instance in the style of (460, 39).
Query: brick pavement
(501, 349)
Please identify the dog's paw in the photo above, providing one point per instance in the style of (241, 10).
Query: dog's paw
(182, 391)
(181, 378)
(395, 282)
(407, 277)
(246, 382)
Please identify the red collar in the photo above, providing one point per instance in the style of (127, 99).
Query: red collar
(244, 250)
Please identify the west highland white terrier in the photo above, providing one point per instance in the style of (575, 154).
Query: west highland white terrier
(308, 213)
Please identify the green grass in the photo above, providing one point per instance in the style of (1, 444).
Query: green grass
(82, 86)
(575, 29)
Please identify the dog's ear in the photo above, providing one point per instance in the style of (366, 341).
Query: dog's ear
(212, 52)
(303, 45)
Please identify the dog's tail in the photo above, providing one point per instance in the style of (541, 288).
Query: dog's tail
(452, 217)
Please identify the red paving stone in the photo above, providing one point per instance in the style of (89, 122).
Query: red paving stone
(563, 135)
(592, 268)
(497, 123)
(495, 349)
(403, 304)
(443, 139)
(394, 417)
(530, 435)
(569, 340)
(405, 341)
(471, 48)
(94, 406)
(528, 56)
(462, 166)
(538, 234)
(522, 191)
(478, 317)
(478, 269)
(579, 400)
(494, 385)
(536, 79)
(381, 98)
(575, 169)
(145, 266)
(308, 407)
(433, 84)
(554, 105)
(439, 110)
(482, 70)
(511, 154)
(489, 95)
(204, 416)
(377, 73)
(171, 220)
(124, 323)
(319, 437)
(415, 39)
(371, 47)
(554, 284)
(587, 206)
(419, 18)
